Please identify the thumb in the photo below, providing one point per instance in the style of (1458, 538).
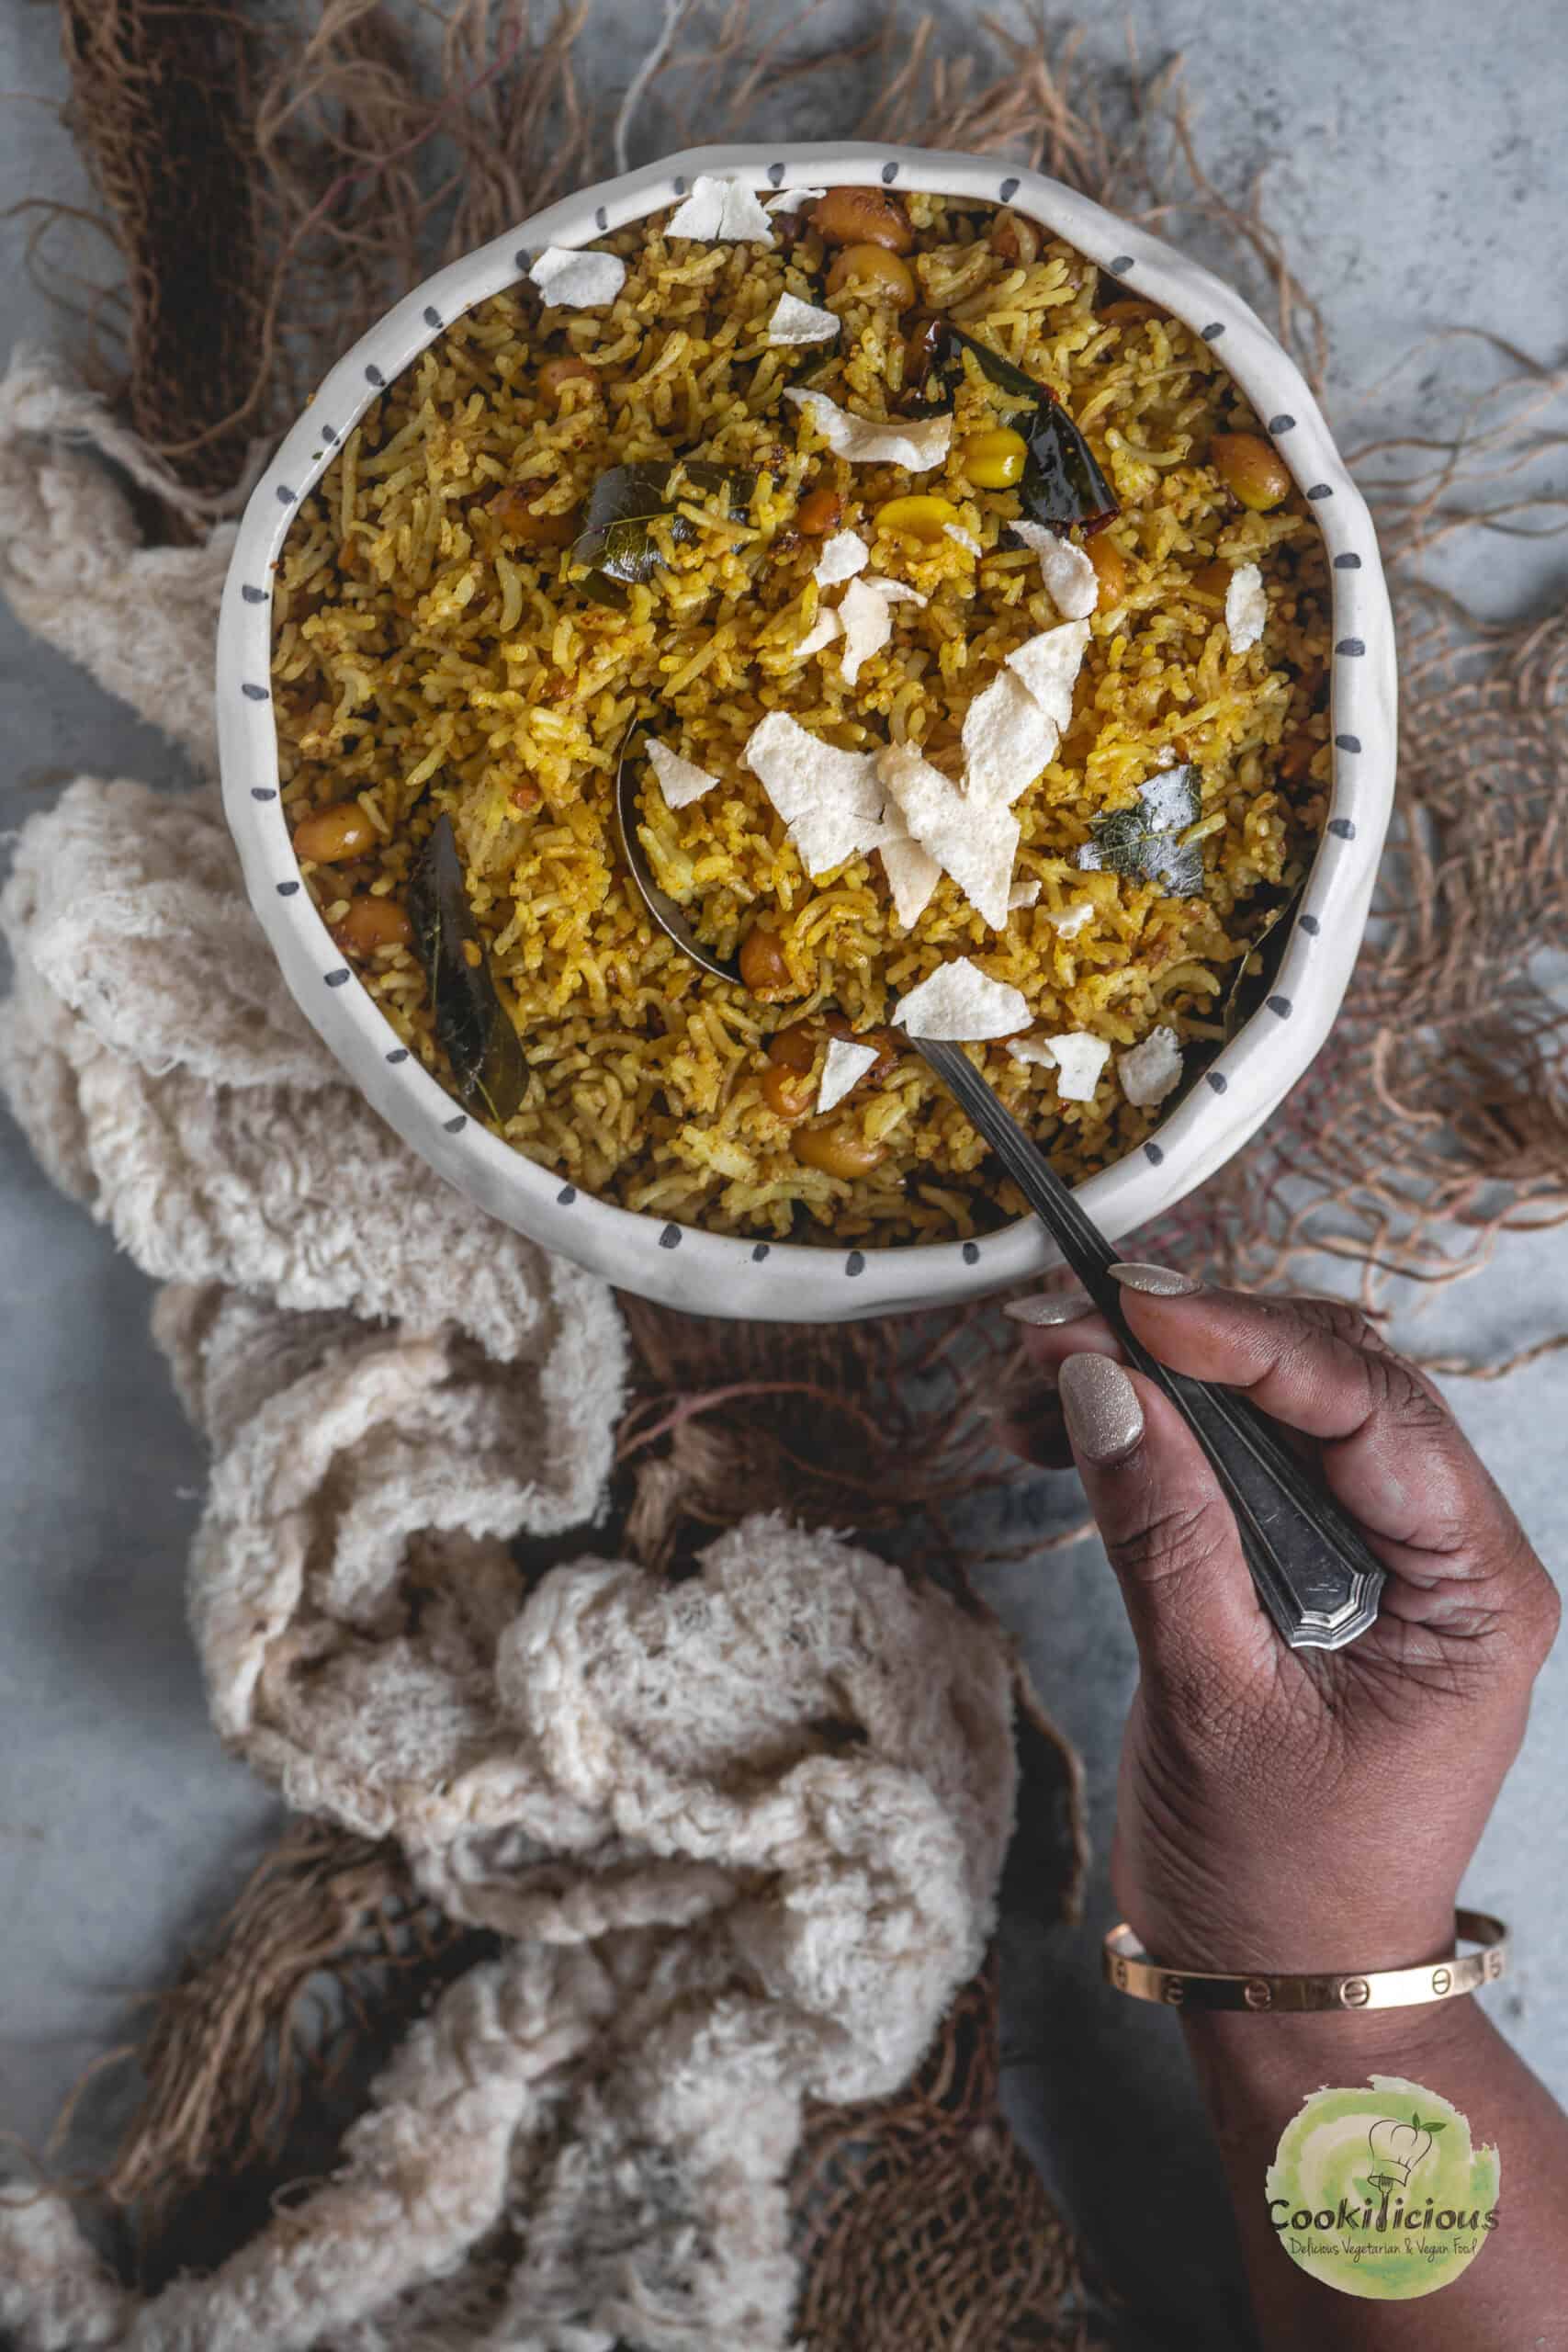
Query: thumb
(1168, 1530)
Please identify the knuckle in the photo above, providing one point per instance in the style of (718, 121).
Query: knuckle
(1175, 1544)
(1336, 1319)
(1395, 1392)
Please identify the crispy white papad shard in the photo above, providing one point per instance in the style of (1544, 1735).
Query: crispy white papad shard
(1049, 665)
(962, 1005)
(1077, 1057)
(823, 630)
(915, 445)
(680, 780)
(974, 840)
(1071, 919)
(1025, 894)
(845, 1066)
(797, 321)
(719, 208)
(578, 282)
(1008, 739)
(867, 621)
(912, 875)
(1071, 581)
(1246, 607)
(961, 537)
(1012, 732)
(1080, 1057)
(842, 556)
(830, 800)
(794, 200)
(1150, 1070)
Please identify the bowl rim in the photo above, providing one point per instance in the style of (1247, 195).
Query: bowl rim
(727, 1275)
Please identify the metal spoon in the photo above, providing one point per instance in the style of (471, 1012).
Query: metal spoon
(1312, 1570)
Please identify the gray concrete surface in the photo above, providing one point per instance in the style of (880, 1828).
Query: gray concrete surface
(1417, 161)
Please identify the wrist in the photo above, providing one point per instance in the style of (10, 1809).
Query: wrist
(1331, 2045)
(1254, 2072)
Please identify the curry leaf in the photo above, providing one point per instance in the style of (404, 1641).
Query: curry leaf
(472, 1026)
(1143, 843)
(617, 542)
(1062, 482)
(614, 538)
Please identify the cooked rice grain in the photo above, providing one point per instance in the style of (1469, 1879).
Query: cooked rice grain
(426, 660)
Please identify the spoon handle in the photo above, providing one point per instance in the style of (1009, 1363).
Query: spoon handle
(1311, 1569)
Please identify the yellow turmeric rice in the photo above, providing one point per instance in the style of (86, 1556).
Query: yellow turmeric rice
(449, 643)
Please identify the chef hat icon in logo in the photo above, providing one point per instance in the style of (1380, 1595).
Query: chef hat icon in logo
(1400, 2147)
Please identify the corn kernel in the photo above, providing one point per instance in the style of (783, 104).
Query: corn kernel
(995, 460)
(920, 516)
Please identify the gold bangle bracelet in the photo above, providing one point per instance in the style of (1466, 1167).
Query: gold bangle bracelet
(1134, 1972)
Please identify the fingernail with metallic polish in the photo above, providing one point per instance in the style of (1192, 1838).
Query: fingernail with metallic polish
(1049, 1307)
(1100, 1406)
(1158, 1282)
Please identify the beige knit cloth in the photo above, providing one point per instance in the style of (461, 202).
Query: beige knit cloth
(743, 1833)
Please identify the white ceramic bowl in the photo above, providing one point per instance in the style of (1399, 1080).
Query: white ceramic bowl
(709, 1273)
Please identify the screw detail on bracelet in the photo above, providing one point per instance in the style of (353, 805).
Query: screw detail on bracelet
(1131, 1972)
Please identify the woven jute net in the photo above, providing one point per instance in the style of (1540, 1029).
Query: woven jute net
(270, 177)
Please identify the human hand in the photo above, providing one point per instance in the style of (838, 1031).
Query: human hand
(1285, 1809)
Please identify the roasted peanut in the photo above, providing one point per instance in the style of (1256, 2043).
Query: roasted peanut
(862, 216)
(837, 1151)
(764, 968)
(1251, 469)
(794, 1047)
(328, 836)
(373, 923)
(820, 511)
(554, 375)
(875, 270)
(787, 1093)
(517, 521)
